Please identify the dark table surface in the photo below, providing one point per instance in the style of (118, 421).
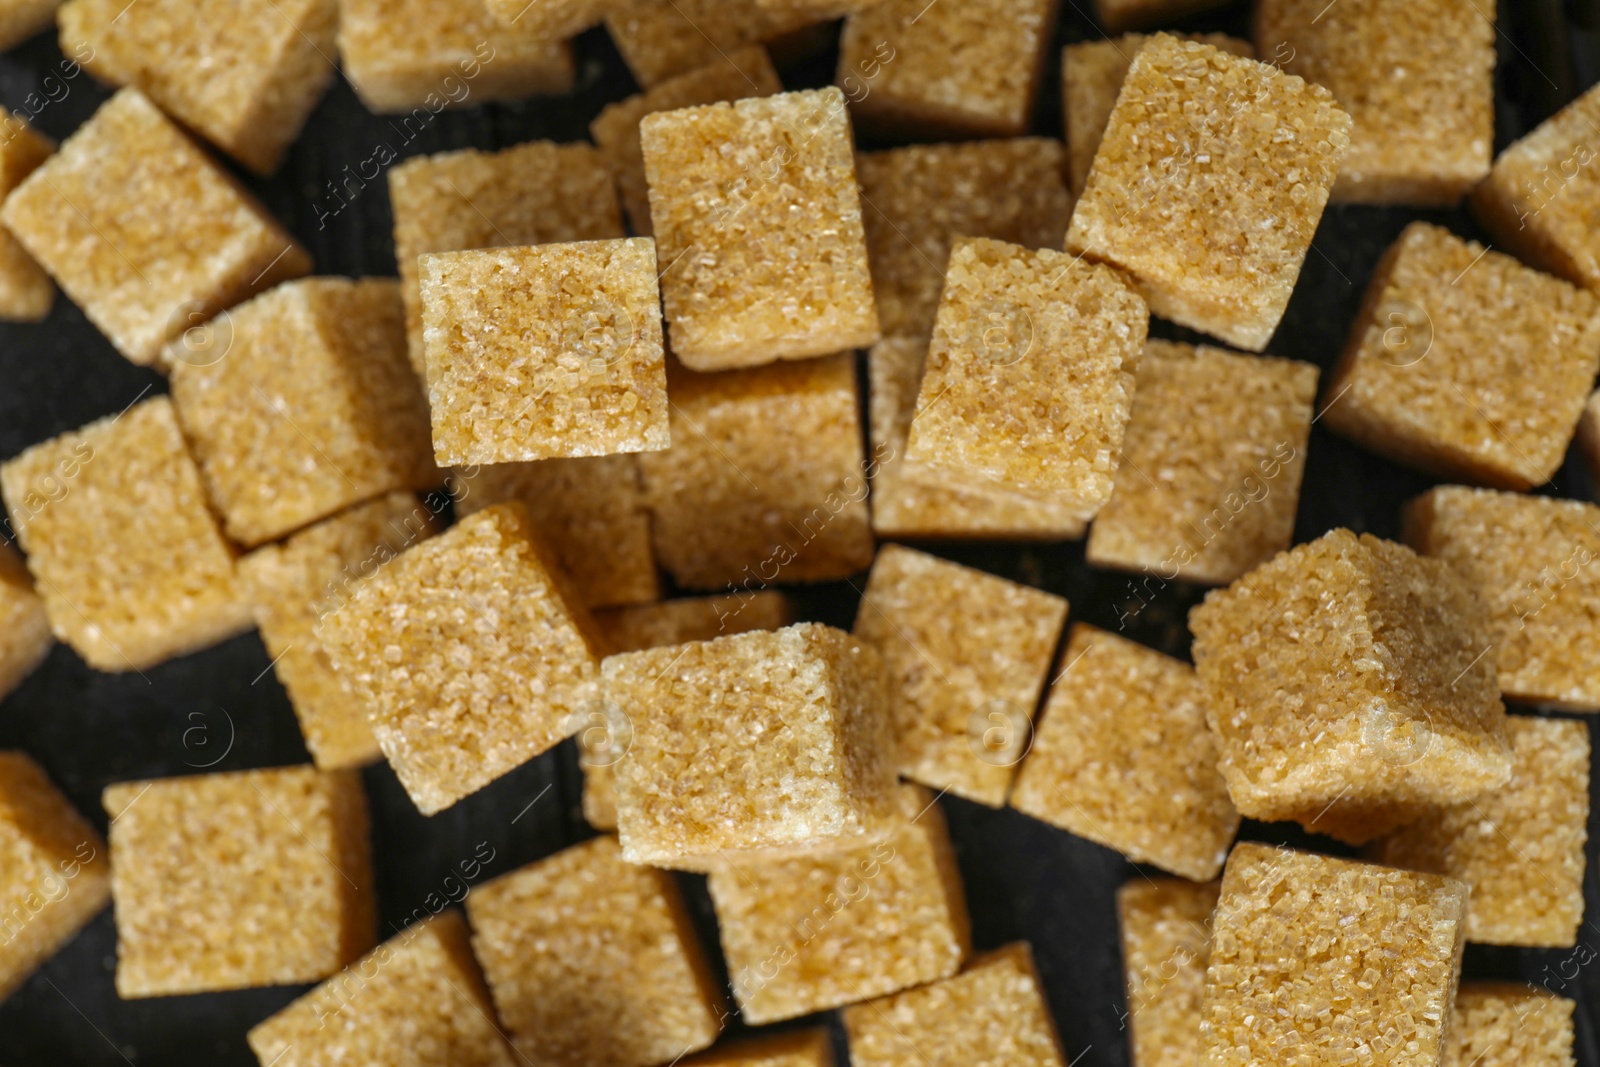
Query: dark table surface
(223, 710)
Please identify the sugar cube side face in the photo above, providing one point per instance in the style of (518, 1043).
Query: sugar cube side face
(26, 291)
(1165, 926)
(25, 637)
(805, 1048)
(1506, 1024)
(1119, 15)
(661, 39)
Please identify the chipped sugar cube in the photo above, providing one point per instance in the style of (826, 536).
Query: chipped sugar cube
(21, 19)
(1165, 925)
(25, 637)
(1506, 1024)
(26, 291)
(660, 39)
(1119, 15)
(807, 1048)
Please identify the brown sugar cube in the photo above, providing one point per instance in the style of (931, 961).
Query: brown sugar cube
(470, 654)
(422, 56)
(967, 655)
(21, 19)
(1030, 374)
(129, 562)
(1466, 364)
(1520, 847)
(815, 9)
(1211, 464)
(1209, 184)
(1350, 686)
(1505, 1024)
(755, 208)
(545, 351)
(917, 201)
(765, 480)
(203, 865)
(550, 20)
(743, 73)
(1119, 15)
(593, 962)
(530, 194)
(25, 637)
(797, 755)
(1123, 758)
(26, 291)
(969, 69)
(1166, 942)
(1330, 961)
(243, 76)
(808, 1048)
(660, 39)
(54, 874)
(295, 583)
(993, 1012)
(300, 403)
(417, 1000)
(143, 231)
(1528, 558)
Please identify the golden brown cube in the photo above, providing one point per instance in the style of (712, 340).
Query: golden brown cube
(25, 637)
(1504, 1024)
(21, 19)
(755, 207)
(593, 962)
(201, 868)
(1123, 758)
(1466, 364)
(765, 481)
(26, 291)
(660, 39)
(1119, 15)
(967, 655)
(1349, 685)
(470, 653)
(807, 1048)
(303, 405)
(129, 562)
(54, 872)
(1166, 942)
(144, 233)
(1209, 184)
(1211, 464)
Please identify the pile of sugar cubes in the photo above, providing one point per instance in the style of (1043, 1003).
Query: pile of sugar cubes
(620, 418)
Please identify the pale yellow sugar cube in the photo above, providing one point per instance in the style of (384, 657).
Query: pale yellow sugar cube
(26, 291)
(25, 637)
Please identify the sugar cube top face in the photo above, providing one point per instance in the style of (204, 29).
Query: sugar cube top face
(1209, 184)
(660, 39)
(994, 1012)
(1375, 951)
(54, 870)
(1166, 943)
(1211, 464)
(1519, 847)
(950, 69)
(25, 637)
(417, 1000)
(143, 231)
(1030, 374)
(470, 654)
(1123, 758)
(754, 741)
(1119, 15)
(21, 19)
(129, 562)
(807, 1048)
(304, 405)
(967, 655)
(1504, 1024)
(917, 201)
(544, 351)
(755, 208)
(202, 864)
(1349, 686)
(26, 291)
(1466, 364)
(893, 916)
(243, 76)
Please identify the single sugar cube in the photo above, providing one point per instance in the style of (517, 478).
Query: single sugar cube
(129, 561)
(967, 655)
(295, 583)
(969, 69)
(1350, 685)
(300, 403)
(1209, 184)
(530, 194)
(1466, 364)
(755, 207)
(414, 1001)
(1507, 1024)
(1519, 847)
(202, 865)
(807, 1048)
(996, 1004)
(144, 233)
(1330, 957)
(25, 637)
(1211, 464)
(593, 960)
(545, 351)
(21, 19)
(743, 73)
(1030, 374)
(754, 741)
(660, 39)
(549, 19)
(26, 291)
(243, 76)
(1119, 15)
(54, 871)
(1124, 758)
(809, 933)
(1166, 942)
(765, 480)
(470, 654)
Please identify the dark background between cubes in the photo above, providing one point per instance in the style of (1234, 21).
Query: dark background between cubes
(223, 710)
